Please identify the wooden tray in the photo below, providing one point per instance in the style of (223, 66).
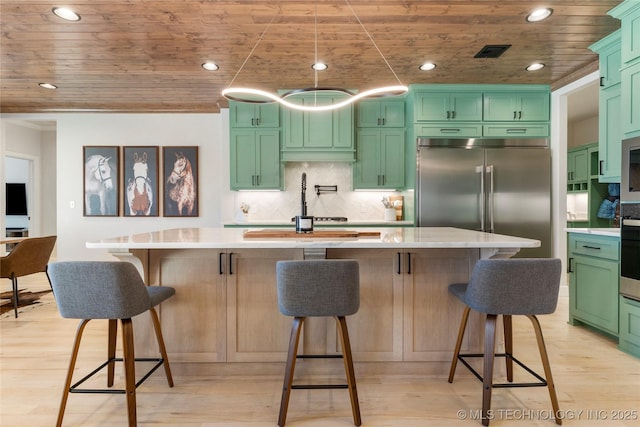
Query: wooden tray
(317, 234)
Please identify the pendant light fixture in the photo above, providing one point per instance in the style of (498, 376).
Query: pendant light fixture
(258, 96)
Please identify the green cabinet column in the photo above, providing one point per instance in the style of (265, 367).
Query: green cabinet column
(380, 159)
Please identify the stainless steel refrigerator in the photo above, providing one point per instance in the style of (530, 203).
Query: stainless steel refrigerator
(499, 186)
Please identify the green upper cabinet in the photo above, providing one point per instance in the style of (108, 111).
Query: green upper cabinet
(385, 113)
(318, 135)
(510, 106)
(245, 115)
(628, 12)
(578, 167)
(610, 107)
(447, 106)
(380, 159)
(255, 159)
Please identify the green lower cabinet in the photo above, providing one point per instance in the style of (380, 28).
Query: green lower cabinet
(380, 159)
(629, 338)
(255, 160)
(594, 277)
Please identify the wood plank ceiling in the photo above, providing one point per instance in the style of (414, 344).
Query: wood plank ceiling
(145, 55)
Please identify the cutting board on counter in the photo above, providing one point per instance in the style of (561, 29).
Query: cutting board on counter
(318, 234)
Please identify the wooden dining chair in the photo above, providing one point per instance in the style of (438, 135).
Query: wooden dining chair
(29, 256)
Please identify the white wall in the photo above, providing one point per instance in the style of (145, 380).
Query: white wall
(77, 130)
(582, 132)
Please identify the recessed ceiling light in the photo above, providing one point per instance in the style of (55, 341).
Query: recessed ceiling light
(66, 13)
(210, 66)
(539, 14)
(319, 66)
(427, 66)
(535, 66)
(48, 85)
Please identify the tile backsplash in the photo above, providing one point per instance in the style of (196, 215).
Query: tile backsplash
(283, 205)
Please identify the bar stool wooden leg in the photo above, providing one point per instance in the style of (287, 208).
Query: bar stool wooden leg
(547, 367)
(14, 285)
(456, 351)
(163, 350)
(489, 355)
(129, 370)
(508, 345)
(111, 350)
(294, 339)
(72, 365)
(348, 367)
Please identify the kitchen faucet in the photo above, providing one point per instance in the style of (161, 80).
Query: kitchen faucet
(303, 196)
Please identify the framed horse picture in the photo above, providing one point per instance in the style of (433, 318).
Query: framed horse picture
(180, 175)
(140, 183)
(100, 185)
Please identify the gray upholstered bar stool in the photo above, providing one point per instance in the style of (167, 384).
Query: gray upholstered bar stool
(113, 291)
(508, 287)
(318, 288)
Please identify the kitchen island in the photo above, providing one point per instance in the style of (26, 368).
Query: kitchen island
(225, 308)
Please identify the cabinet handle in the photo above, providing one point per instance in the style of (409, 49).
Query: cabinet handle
(453, 114)
(516, 130)
(257, 180)
(383, 121)
(514, 115)
(600, 163)
(231, 254)
(408, 262)
(450, 130)
(378, 121)
(220, 260)
(569, 265)
(258, 121)
(253, 121)
(601, 81)
(383, 179)
(448, 114)
(399, 263)
(591, 247)
(519, 115)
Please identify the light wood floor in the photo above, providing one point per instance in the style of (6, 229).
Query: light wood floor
(595, 384)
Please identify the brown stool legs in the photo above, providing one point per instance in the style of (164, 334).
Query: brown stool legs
(128, 360)
(489, 357)
(291, 364)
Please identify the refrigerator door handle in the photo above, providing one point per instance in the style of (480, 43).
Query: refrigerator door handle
(480, 170)
(490, 170)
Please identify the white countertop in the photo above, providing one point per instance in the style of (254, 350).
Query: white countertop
(336, 224)
(613, 232)
(390, 237)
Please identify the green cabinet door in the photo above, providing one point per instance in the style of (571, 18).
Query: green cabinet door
(578, 165)
(255, 159)
(319, 135)
(443, 106)
(506, 106)
(387, 113)
(244, 114)
(594, 272)
(593, 292)
(610, 134)
(628, 12)
(380, 159)
(630, 100)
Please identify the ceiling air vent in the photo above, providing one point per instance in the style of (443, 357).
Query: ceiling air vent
(492, 50)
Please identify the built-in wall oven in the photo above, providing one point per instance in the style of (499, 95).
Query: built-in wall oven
(630, 251)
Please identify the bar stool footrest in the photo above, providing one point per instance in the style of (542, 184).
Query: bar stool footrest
(74, 388)
(542, 382)
(318, 386)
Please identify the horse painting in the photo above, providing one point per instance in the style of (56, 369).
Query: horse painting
(180, 189)
(139, 192)
(98, 183)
